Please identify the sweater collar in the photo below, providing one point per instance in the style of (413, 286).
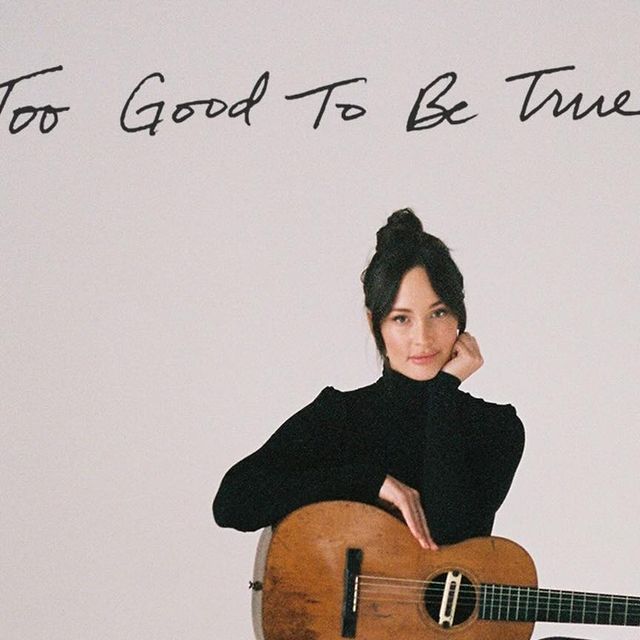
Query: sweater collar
(402, 389)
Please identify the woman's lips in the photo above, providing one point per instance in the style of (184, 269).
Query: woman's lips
(423, 358)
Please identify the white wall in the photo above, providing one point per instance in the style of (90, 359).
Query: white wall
(169, 300)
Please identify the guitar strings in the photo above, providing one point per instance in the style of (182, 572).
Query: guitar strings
(373, 581)
(589, 616)
(496, 600)
(392, 589)
(522, 611)
(523, 606)
(498, 591)
(521, 603)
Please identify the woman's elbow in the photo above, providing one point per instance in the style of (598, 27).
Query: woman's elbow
(225, 512)
(229, 512)
(221, 513)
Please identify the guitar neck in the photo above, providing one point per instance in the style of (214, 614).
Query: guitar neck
(530, 604)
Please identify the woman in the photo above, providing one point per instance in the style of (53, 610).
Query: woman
(412, 441)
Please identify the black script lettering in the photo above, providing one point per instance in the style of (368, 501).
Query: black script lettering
(441, 113)
(572, 105)
(156, 107)
(348, 111)
(242, 107)
(29, 111)
(185, 110)
(15, 126)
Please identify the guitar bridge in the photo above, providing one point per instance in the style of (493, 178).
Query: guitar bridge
(353, 562)
(449, 598)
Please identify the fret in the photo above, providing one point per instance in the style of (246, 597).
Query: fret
(493, 593)
(517, 603)
(559, 606)
(506, 614)
(571, 607)
(611, 611)
(483, 591)
(626, 610)
(548, 602)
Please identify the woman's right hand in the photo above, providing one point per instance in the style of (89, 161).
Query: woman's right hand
(407, 501)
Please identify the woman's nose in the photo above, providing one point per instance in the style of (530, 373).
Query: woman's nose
(423, 334)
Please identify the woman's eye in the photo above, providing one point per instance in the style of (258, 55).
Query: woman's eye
(400, 319)
(440, 313)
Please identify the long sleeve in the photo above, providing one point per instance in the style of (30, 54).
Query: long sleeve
(314, 456)
(472, 450)
(496, 447)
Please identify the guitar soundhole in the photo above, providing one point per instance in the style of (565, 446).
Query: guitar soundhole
(464, 607)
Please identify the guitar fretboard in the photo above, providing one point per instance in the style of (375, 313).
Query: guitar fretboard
(530, 604)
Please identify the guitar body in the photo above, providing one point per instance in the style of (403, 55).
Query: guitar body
(303, 578)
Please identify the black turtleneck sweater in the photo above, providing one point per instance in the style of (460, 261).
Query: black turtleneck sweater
(458, 451)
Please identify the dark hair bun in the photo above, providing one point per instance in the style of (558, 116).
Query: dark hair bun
(403, 227)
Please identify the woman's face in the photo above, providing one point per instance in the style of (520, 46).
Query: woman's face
(419, 332)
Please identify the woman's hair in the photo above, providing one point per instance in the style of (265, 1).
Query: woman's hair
(402, 245)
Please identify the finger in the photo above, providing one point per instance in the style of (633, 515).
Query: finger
(468, 346)
(414, 526)
(417, 523)
(425, 527)
(460, 348)
(471, 342)
(467, 340)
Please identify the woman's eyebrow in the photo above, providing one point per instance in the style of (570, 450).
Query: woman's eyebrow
(435, 304)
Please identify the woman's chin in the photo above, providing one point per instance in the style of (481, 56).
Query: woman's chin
(419, 372)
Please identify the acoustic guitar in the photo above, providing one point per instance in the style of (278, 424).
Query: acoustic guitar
(337, 570)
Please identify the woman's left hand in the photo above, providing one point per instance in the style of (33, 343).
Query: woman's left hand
(465, 357)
